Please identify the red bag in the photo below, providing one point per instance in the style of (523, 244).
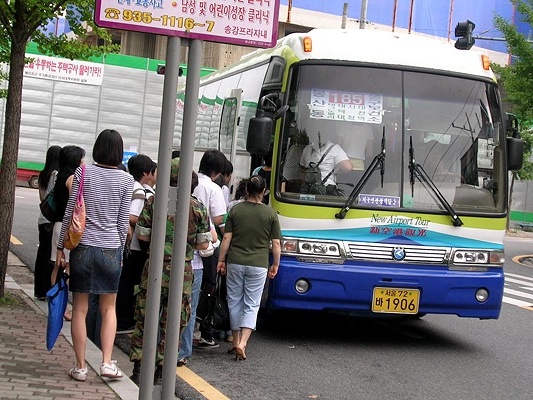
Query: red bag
(77, 222)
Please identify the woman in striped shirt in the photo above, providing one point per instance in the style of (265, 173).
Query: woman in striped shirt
(95, 264)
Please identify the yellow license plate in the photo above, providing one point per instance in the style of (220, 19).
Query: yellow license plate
(395, 300)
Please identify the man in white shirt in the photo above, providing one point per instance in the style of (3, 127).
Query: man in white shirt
(330, 159)
(210, 194)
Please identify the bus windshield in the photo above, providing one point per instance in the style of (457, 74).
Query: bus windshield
(342, 117)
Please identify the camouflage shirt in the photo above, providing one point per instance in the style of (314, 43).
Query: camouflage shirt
(198, 227)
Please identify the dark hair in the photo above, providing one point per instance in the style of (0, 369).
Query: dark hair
(194, 181)
(153, 168)
(51, 164)
(219, 180)
(138, 165)
(268, 157)
(175, 154)
(108, 148)
(240, 191)
(69, 159)
(255, 186)
(212, 162)
(228, 168)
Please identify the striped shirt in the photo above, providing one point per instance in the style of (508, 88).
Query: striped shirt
(107, 195)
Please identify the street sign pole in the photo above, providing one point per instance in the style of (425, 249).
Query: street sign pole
(257, 26)
(151, 323)
(181, 219)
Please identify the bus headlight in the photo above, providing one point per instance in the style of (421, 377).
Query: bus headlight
(289, 245)
(478, 257)
(310, 247)
(319, 248)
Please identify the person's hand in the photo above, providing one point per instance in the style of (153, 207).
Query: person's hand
(60, 261)
(221, 267)
(273, 271)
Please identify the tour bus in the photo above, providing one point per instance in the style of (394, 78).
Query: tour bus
(416, 224)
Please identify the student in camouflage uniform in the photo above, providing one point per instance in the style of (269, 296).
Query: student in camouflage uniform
(198, 238)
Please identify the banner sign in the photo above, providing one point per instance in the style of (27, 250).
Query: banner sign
(65, 70)
(241, 22)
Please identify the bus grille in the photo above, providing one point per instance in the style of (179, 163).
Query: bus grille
(384, 252)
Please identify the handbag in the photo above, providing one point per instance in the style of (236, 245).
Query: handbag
(313, 182)
(77, 222)
(217, 307)
(57, 298)
(49, 208)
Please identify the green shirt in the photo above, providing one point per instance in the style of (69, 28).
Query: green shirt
(253, 226)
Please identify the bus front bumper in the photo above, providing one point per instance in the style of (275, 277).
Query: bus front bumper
(350, 287)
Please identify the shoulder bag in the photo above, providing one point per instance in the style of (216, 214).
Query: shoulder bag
(77, 222)
(313, 182)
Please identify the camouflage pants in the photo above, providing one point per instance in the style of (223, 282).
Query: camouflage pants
(140, 312)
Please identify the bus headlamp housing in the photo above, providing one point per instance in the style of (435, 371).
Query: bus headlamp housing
(478, 257)
(310, 247)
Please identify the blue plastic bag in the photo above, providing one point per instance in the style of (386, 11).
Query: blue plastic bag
(57, 298)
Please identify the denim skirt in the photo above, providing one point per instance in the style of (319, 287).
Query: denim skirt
(94, 269)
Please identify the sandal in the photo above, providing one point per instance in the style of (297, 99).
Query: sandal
(231, 350)
(240, 355)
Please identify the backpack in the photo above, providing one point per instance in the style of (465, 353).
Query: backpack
(49, 208)
(138, 194)
(313, 182)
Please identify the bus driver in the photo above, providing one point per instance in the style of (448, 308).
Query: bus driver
(330, 158)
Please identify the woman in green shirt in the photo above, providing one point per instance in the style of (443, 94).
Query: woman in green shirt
(244, 257)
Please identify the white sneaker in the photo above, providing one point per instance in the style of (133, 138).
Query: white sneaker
(78, 374)
(110, 370)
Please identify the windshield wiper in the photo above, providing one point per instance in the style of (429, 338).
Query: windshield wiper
(417, 171)
(377, 163)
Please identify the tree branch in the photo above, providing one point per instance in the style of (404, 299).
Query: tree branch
(35, 16)
(6, 16)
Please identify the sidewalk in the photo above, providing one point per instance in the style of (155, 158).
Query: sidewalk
(29, 371)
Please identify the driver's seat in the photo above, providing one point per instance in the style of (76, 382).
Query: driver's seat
(291, 165)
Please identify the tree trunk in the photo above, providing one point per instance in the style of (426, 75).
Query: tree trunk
(8, 165)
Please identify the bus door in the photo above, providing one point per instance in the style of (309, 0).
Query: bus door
(229, 124)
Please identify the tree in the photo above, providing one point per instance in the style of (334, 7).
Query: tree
(517, 81)
(22, 21)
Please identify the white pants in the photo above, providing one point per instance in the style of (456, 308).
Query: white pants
(244, 288)
(55, 238)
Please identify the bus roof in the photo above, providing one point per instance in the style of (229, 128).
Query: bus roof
(372, 46)
(390, 48)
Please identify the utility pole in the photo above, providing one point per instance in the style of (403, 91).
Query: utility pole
(344, 15)
(362, 17)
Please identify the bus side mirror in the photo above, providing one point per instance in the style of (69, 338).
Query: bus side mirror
(515, 153)
(260, 131)
(261, 127)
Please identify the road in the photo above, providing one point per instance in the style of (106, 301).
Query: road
(317, 356)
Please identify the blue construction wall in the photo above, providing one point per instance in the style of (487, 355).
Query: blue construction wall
(431, 17)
